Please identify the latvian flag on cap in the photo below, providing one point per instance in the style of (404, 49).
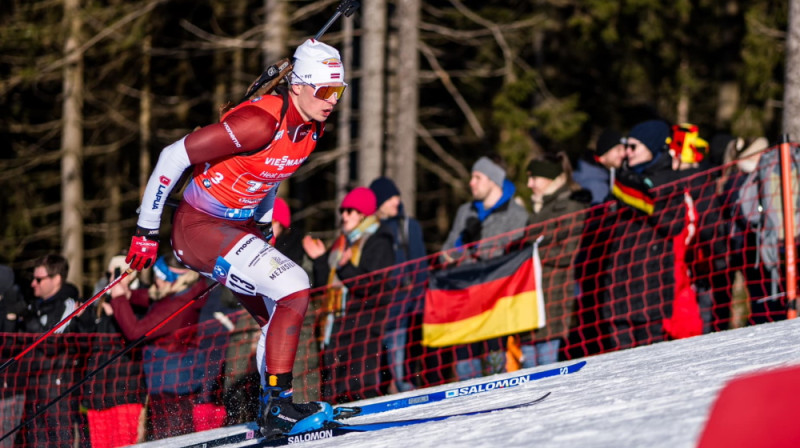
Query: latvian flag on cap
(479, 301)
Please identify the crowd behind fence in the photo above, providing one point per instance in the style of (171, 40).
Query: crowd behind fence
(711, 258)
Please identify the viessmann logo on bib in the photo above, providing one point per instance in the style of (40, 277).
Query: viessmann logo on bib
(283, 162)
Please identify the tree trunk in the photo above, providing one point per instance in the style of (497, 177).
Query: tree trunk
(145, 118)
(371, 97)
(276, 35)
(401, 163)
(791, 88)
(728, 104)
(344, 140)
(72, 146)
(145, 125)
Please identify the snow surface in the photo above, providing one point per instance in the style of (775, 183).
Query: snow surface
(658, 395)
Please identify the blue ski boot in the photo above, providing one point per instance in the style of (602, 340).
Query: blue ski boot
(280, 416)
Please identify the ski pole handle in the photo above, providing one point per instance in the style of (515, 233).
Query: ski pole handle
(346, 8)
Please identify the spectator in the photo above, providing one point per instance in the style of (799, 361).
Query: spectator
(554, 195)
(174, 367)
(288, 241)
(407, 299)
(703, 267)
(740, 159)
(12, 304)
(113, 399)
(597, 174)
(693, 297)
(650, 216)
(55, 298)
(54, 364)
(760, 199)
(12, 392)
(492, 212)
(353, 367)
(595, 171)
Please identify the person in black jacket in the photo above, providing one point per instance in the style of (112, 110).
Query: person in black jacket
(55, 299)
(12, 305)
(650, 214)
(12, 389)
(55, 364)
(353, 356)
(407, 300)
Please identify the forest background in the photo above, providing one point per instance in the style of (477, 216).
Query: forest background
(91, 91)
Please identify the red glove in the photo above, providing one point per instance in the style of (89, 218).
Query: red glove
(144, 249)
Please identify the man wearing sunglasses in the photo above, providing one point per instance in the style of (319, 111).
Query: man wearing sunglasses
(55, 298)
(221, 225)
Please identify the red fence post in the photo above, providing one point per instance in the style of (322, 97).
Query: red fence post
(788, 225)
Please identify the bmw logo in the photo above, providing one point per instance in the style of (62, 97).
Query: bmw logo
(220, 272)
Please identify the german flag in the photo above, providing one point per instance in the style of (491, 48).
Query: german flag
(479, 301)
(635, 196)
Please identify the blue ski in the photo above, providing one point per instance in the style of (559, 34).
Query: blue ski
(432, 397)
(340, 429)
(343, 412)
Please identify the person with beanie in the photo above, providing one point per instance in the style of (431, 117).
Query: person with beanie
(112, 422)
(491, 212)
(220, 227)
(556, 200)
(352, 354)
(743, 193)
(646, 144)
(284, 238)
(656, 206)
(408, 245)
(595, 171)
(475, 236)
(173, 347)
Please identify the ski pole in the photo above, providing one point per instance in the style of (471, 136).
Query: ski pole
(347, 7)
(80, 309)
(275, 72)
(112, 359)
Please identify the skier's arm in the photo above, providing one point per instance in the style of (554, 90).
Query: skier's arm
(247, 129)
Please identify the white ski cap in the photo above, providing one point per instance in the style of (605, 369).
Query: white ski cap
(317, 63)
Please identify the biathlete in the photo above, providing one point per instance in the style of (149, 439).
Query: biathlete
(220, 225)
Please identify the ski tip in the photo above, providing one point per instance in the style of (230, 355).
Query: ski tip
(574, 367)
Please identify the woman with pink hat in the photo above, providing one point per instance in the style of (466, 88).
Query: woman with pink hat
(353, 367)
